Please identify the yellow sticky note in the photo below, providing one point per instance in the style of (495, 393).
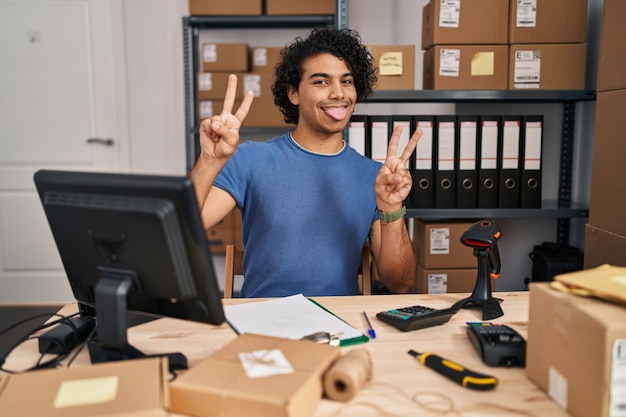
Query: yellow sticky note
(390, 63)
(86, 391)
(483, 63)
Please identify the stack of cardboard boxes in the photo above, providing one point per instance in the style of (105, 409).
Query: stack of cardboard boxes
(254, 69)
(588, 327)
(465, 45)
(605, 237)
(253, 66)
(444, 264)
(504, 44)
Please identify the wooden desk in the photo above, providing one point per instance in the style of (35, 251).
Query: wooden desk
(401, 386)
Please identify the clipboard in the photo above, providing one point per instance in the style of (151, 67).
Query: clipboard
(291, 317)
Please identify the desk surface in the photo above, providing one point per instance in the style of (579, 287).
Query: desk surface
(401, 386)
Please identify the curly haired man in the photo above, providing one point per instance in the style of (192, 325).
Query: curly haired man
(309, 202)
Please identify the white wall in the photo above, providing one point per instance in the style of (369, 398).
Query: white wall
(153, 29)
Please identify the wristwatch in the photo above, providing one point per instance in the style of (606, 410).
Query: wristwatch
(392, 217)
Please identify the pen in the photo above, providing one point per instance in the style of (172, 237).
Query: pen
(370, 329)
(456, 372)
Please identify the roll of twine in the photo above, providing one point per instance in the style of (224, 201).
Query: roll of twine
(347, 375)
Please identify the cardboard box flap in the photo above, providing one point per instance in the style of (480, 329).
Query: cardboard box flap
(595, 309)
(126, 388)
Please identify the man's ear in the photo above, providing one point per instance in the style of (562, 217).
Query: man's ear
(292, 93)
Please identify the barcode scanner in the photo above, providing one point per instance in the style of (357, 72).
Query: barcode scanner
(483, 236)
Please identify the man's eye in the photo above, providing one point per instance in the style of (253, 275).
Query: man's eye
(321, 82)
(349, 82)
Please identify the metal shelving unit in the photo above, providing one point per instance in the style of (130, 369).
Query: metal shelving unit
(561, 209)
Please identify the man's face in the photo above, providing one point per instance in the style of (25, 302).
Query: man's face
(326, 95)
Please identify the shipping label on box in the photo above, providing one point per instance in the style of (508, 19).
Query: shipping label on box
(527, 69)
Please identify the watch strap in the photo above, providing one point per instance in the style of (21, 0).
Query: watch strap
(392, 217)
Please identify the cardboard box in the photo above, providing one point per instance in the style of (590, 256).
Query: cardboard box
(265, 58)
(126, 389)
(290, 7)
(603, 247)
(441, 281)
(225, 57)
(263, 112)
(395, 66)
(225, 8)
(221, 386)
(478, 22)
(224, 233)
(548, 21)
(611, 74)
(466, 67)
(548, 66)
(438, 245)
(212, 85)
(576, 351)
(608, 176)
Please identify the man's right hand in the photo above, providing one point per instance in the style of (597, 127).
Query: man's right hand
(219, 134)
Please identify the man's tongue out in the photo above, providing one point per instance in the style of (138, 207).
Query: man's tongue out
(337, 113)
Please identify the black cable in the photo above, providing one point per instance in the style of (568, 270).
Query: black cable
(82, 345)
(30, 336)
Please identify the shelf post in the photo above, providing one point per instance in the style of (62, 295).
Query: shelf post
(565, 172)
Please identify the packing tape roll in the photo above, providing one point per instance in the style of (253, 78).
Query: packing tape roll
(347, 375)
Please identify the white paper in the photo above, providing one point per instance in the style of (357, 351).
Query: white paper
(262, 363)
(290, 317)
(617, 385)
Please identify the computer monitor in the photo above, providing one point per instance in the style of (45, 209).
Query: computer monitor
(131, 243)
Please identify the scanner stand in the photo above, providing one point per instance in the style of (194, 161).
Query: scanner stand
(481, 296)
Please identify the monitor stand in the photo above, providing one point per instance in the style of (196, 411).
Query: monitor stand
(111, 341)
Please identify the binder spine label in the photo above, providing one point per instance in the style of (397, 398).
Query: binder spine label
(489, 149)
(532, 154)
(424, 148)
(510, 145)
(467, 148)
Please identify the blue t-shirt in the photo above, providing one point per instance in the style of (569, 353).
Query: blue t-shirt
(306, 216)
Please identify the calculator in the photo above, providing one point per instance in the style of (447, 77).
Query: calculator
(415, 317)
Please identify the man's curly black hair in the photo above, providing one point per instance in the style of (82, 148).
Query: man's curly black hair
(342, 43)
